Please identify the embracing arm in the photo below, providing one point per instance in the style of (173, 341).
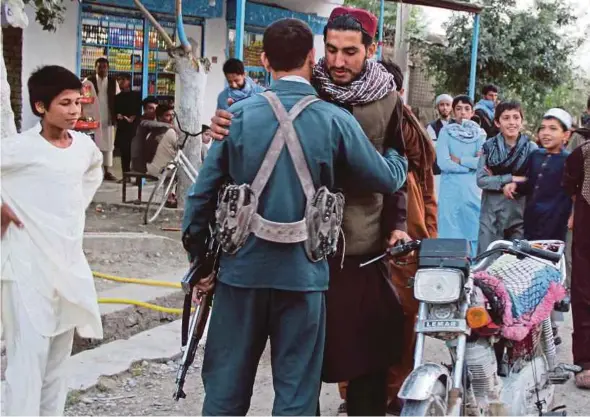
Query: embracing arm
(383, 174)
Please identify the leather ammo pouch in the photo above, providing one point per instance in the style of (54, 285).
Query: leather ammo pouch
(237, 210)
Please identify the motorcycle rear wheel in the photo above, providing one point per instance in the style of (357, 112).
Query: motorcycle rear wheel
(433, 406)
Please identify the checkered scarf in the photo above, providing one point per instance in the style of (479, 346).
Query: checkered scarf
(373, 84)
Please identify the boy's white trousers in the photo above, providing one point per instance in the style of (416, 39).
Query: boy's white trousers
(36, 375)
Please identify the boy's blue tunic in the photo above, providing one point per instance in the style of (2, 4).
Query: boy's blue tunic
(548, 206)
(459, 200)
(271, 289)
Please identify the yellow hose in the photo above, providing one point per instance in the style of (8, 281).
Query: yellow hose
(139, 281)
(155, 307)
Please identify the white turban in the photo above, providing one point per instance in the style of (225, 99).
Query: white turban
(443, 97)
(561, 115)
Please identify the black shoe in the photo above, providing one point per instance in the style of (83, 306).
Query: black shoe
(109, 177)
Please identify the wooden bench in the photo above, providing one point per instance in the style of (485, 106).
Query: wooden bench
(139, 176)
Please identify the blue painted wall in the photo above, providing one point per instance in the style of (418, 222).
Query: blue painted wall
(262, 15)
(198, 8)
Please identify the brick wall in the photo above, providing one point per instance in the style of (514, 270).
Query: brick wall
(12, 48)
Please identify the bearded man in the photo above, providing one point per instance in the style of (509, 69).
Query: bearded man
(364, 318)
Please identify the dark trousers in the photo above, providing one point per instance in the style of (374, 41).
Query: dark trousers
(580, 295)
(367, 395)
(242, 320)
(126, 154)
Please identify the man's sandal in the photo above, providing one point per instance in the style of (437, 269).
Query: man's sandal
(583, 379)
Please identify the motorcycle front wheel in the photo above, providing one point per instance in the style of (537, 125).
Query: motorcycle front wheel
(433, 406)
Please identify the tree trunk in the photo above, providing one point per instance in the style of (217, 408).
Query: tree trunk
(189, 107)
(8, 127)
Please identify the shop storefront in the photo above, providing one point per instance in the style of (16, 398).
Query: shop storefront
(132, 45)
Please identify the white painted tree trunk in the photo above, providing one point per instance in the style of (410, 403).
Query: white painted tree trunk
(189, 107)
(7, 125)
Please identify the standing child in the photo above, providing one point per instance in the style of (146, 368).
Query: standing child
(503, 161)
(458, 151)
(49, 176)
(548, 206)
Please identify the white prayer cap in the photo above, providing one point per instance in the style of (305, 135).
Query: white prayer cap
(561, 115)
(443, 97)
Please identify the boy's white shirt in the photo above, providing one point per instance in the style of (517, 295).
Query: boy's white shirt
(49, 189)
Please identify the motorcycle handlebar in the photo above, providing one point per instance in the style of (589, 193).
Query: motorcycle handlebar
(526, 247)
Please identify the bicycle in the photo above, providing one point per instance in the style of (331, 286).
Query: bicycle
(168, 178)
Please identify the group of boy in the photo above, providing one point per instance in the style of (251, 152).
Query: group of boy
(529, 190)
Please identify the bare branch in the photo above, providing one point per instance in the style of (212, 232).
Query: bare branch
(155, 24)
(180, 28)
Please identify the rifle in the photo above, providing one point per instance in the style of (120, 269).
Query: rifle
(192, 332)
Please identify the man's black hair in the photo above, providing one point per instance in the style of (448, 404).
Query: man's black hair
(148, 100)
(505, 106)
(588, 103)
(125, 76)
(462, 99)
(348, 22)
(234, 66)
(161, 109)
(563, 126)
(287, 43)
(490, 88)
(396, 71)
(101, 60)
(46, 83)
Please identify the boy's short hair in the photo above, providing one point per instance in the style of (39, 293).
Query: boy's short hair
(287, 43)
(47, 82)
(489, 88)
(505, 106)
(561, 124)
(462, 99)
(101, 60)
(234, 66)
(125, 76)
(396, 71)
(161, 109)
(148, 100)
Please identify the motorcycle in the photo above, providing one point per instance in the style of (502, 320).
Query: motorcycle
(501, 364)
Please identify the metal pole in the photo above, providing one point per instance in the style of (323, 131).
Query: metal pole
(380, 45)
(240, 18)
(146, 59)
(474, 46)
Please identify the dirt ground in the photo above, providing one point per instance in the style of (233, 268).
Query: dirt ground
(147, 390)
(128, 261)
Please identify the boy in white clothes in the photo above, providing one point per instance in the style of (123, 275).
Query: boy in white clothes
(49, 175)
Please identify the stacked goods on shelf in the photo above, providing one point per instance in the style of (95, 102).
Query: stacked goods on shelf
(89, 56)
(165, 87)
(120, 59)
(156, 40)
(94, 34)
(252, 54)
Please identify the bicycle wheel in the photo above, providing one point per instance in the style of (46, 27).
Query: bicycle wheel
(159, 196)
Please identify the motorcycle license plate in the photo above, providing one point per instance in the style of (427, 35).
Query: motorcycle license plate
(441, 324)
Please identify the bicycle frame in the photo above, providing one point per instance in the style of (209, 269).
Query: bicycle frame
(182, 160)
